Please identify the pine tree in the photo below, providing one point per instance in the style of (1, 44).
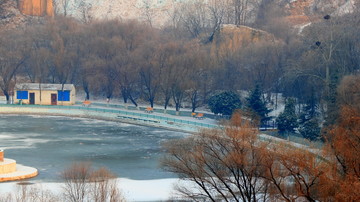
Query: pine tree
(224, 103)
(310, 129)
(309, 124)
(287, 120)
(257, 105)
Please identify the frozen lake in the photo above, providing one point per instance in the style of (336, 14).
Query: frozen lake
(51, 143)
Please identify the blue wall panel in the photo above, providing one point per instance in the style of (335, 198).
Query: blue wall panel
(64, 95)
(22, 95)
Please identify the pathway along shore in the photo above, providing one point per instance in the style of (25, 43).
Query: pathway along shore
(137, 117)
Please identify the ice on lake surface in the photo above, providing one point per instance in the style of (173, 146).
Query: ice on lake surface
(51, 143)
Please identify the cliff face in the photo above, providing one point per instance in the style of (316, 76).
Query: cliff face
(36, 7)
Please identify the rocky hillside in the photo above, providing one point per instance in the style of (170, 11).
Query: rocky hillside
(159, 12)
(299, 11)
(10, 16)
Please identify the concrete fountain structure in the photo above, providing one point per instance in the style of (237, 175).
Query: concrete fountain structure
(10, 171)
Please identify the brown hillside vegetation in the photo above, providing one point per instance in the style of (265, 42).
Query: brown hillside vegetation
(344, 139)
(232, 38)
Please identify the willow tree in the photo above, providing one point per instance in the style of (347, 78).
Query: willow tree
(13, 54)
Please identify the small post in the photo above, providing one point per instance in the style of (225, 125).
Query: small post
(1, 155)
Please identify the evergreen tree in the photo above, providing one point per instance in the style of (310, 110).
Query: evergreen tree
(309, 124)
(309, 111)
(257, 105)
(332, 106)
(287, 120)
(310, 129)
(224, 103)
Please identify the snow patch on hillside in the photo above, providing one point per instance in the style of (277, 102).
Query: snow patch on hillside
(157, 10)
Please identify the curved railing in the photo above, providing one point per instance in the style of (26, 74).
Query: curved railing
(168, 111)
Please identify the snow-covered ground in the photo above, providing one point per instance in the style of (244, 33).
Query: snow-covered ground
(132, 190)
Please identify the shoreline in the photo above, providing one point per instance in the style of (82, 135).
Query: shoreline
(172, 123)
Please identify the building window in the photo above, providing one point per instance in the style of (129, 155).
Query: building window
(64, 95)
(22, 95)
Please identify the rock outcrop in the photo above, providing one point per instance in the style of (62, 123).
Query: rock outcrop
(10, 16)
(36, 7)
(299, 11)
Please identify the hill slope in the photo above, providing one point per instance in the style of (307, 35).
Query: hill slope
(160, 11)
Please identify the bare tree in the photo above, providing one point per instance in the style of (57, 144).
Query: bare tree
(62, 6)
(103, 187)
(231, 164)
(150, 72)
(200, 18)
(294, 173)
(29, 192)
(148, 12)
(223, 163)
(82, 183)
(13, 54)
(76, 179)
(85, 9)
(240, 11)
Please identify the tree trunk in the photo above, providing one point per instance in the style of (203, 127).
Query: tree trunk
(133, 100)
(151, 102)
(40, 91)
(86, 89)
(87, 95)
(194, 101)
(177, 105)
(6, 93)
(124, 94)
(167, 100)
